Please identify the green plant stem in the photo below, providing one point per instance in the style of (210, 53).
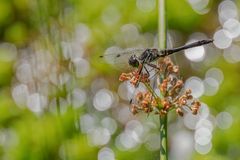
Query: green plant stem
(163, 137)
(162, 44)
(162, 25)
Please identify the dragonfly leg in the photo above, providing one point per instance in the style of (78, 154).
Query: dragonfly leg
(140, 74)
(154, 75)
(140, 68)
(153, 65)
(146, 71)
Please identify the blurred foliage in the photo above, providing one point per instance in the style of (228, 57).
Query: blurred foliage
(51, 136)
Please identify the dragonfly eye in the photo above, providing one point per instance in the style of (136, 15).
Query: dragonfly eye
(133, 61)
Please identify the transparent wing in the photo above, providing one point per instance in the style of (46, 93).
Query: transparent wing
(119, 57)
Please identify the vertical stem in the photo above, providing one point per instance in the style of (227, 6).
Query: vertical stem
(163, 137)
(162, 25)
(162, 44)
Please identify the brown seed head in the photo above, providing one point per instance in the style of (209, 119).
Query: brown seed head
(166, 104)
(188, 91)
(168, 61)
(134, 77)
(195, 107)
(178, 84)
(139, 96)
(175, 69)
(134, 109)
(163, 86)
(182, 100)
(179, 112)
(125, 76)
(154, 103)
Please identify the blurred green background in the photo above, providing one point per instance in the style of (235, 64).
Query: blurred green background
(59, 100)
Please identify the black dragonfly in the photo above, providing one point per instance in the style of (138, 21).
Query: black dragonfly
(138, 57)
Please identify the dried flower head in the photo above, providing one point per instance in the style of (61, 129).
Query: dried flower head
(195, 107)
(171, 88)
(145, 102)
(134, 77)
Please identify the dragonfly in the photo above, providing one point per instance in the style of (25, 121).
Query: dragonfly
(141, 57)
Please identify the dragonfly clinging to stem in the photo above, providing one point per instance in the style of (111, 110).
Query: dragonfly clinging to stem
(146, 56)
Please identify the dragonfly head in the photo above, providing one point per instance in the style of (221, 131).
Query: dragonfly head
(133, 61)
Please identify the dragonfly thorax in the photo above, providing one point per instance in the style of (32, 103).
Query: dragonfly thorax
(149, 55)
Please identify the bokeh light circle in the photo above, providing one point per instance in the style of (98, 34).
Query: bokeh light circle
(24, 72)
(233, 27)
(181, 145)
(205, 123)
(87, 123)
(215, 73)
(203, 136)
(82, 67)
(227, 9)
(231, 54)
(203, 149)
(222, 39)
(127, 141)
(77, 98)
(203, 111)
(190, 120)
(106, 154)
(20, 94)
(109, 124)
(126, 90)
(196, 85)
(135, 129)
(200, 6)
(99, 136)
(211, 86)
(36, 102)
(103, 100)
(195, 54)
